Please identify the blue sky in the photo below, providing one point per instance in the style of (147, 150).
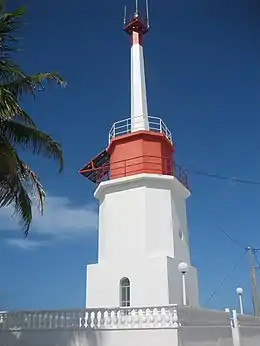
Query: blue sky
(203, 77)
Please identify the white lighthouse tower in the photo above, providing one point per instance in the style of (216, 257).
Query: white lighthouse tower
(143, 233)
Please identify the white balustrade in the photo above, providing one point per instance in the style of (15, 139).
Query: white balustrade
(118, 318)
(123, 127)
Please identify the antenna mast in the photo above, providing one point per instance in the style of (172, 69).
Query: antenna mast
(125, 15)
(137, 23)
(147, 14)
(136, 8)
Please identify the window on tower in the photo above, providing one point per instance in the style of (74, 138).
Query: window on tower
(124, 292)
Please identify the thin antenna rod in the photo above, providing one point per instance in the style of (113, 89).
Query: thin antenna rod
(147, 14)
(125, 15)
(136, 7)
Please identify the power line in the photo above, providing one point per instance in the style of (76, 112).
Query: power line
(232, 239)
(220, 177)
(255, 250)
(252, 252)
(226, 277)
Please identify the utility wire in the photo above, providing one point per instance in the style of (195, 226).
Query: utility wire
(222, 177)
(232, 239)
(226, 277)
(218, 176)
(255, 250)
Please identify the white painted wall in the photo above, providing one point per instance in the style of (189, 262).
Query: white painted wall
(139, 238)
(172, 325)
(156, 337)
(174, 282)
(139, 112)
(205, 336)
(249, 330)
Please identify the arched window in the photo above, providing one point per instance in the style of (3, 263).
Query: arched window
(124, 292)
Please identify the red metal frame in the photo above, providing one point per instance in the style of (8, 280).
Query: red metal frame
(168, 168)
(137, 25)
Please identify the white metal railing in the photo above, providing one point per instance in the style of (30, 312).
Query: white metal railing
(123, 127)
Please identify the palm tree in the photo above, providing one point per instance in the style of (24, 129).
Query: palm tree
(19, 185)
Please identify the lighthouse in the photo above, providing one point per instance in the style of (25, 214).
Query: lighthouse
(142, 230)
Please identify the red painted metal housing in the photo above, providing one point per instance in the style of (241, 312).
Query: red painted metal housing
(144, 152)
(134, 153)
(124, 168)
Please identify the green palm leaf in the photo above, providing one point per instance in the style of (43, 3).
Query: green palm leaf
(23, 208)
(9, 107)
(31, 84)
(23, 117)
(36, 188)
(19, 185)
(29, 138)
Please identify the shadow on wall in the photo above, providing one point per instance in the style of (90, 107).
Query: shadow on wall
(51, 338)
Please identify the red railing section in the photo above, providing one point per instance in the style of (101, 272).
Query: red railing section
(141, 164)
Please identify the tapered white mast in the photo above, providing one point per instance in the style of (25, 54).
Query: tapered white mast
(136, 28)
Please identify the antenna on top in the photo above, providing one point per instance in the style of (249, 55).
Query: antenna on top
(147, 14)
(136, 8)
(125, 15)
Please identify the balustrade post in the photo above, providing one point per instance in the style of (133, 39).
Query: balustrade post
(235, 329)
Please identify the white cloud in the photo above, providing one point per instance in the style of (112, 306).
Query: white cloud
(62, 219)
(25, 244)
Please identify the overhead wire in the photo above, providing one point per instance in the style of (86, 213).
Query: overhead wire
(226, 277)
(233, 239)
(215, 175)
(234, 180)
(218, 176)
(222, 177)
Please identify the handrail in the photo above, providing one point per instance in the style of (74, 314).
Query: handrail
(123, 127)
(168, 168)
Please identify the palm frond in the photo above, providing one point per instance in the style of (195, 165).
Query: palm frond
(9, 72)
(31, 84)
(9, 172)
(9, 22)
(9, 106)
(18, 185)
(23, 207)
(9, 162)
(24, 118)
(30, 138)
(2, 6)
(34, 187)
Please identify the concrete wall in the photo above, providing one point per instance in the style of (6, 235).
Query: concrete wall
(201, 327)
(172, 325)
(165, 337)
(205, 336)
(249, 331)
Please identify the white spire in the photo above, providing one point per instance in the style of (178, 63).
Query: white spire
(139, 112)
